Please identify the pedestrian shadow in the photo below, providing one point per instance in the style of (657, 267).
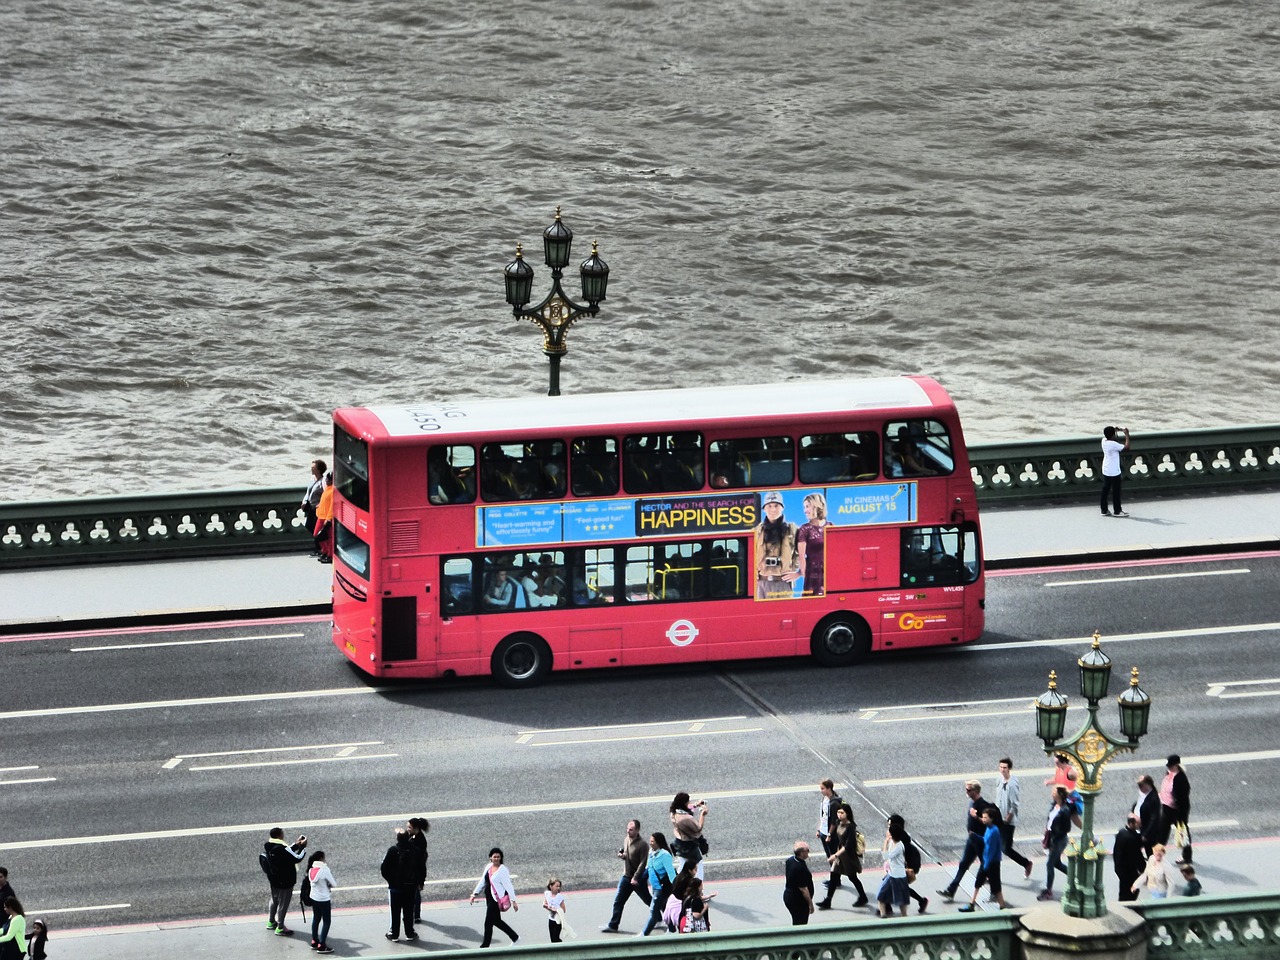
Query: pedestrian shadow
(1224, 876)
(1155, 521)
(742, 914)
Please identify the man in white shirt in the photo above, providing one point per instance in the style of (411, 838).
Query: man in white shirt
(1111, 472)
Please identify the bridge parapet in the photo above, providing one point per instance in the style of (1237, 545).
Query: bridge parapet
(267, 520)
(1169, 461)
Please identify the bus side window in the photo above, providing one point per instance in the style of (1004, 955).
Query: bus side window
(641, 464)
(451, 474)
(917, 448)
(682, 465)
(457, 593)
(548, 458)
(939, 556)
(839, 457)
(594, 467)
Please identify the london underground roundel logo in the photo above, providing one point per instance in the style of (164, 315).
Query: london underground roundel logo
(682, 633)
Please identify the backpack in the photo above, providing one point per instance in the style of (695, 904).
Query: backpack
(304, 892)
(912, 857)
(264, 861)
(860, 846)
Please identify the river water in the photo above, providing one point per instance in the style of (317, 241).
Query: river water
(222, 220)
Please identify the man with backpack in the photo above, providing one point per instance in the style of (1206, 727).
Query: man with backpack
(279, 861)
(400, 870)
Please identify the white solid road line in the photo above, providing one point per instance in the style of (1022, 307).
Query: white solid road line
(186, 643)
(194, 702)
(102, 906)
(646, 736)
(1220, 689)
(630, 726)
(1125, 637)
(1148, 576)
(559, 807)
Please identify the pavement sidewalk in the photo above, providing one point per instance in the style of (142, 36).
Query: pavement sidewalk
(165, 591)
(448, 924)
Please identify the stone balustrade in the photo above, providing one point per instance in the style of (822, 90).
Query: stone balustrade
(268, 520)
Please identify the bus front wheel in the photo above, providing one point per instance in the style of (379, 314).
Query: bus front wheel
(840, 640)
(521, 660)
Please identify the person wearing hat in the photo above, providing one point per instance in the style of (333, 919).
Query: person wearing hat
(777, 550)
(1175, 804)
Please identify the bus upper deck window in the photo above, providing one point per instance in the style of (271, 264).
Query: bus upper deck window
(451, 474)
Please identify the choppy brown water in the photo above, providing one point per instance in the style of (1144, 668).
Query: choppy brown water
(220, 221)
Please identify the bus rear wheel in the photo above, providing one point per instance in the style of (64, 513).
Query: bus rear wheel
(840, 640)
(521, 660)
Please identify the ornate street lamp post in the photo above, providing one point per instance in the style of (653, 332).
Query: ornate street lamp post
(556, 313)
(1089, 750)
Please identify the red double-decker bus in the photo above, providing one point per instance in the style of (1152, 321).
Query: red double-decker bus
(516, 537)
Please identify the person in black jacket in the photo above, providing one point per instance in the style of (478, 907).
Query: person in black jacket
(1057, 828)
(1177, 787)
(797, 896)
(1148, 810)
(282, 863)
(400, 870)
(1127, 857)
(418, 827)
(973, 839)
(844, 857)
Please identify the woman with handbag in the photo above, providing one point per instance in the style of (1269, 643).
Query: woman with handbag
(845, 861)
(499, 896)
(1056, 829)
(687, 820)
(662, 875)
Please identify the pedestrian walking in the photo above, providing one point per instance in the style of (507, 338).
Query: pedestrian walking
(418, 827)
(1190, 886)
(827, 807)
(311, 500)
(1159, 877)
(6, 891)
(39, 937)
(400, 870)
(974, 805)
(13, 940)
(322, 883)
(1057, 829)
(687, 820)
(323, 530)
(695, 915)
(553, 903)
(661, 871)
(1064, 773)
(893, 888)
(1111, 472)
(1175, 808)
(499, 896)
(1008, 799)
(280, 861)
(634, 854)
(912, 856)
(992, 855)
(846, 856)
(1127, 857)
(1147, 807)
(797, 894)
(679, 890)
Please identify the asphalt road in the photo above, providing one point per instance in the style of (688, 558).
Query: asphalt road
(142, 768)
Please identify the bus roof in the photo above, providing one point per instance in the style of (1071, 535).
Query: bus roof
(645, 407)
